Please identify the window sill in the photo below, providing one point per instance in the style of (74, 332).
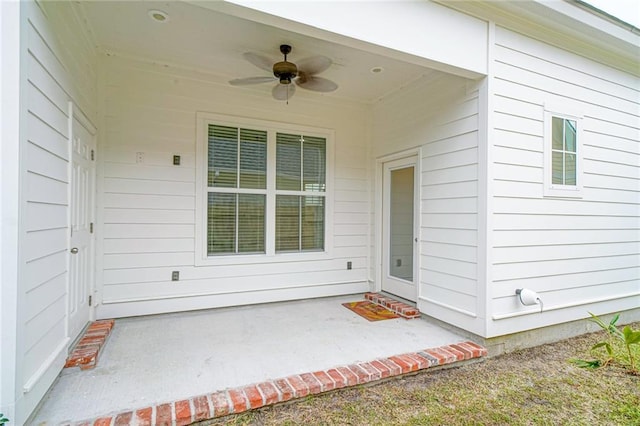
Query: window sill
(563, 192)
(252, 259)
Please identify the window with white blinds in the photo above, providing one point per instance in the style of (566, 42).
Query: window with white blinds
(300, 187)
(259, 180)
(236, 181)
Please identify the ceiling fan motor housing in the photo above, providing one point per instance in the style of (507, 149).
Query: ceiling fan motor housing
(285, 71)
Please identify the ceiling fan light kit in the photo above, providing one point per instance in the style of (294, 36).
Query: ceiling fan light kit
(285, 73)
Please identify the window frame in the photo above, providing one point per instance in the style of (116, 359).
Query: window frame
(203, 120)
(559, 190)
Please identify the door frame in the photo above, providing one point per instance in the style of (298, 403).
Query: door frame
(75, 112)
(379, 220)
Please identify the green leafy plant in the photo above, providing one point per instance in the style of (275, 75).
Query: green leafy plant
(619, 346)
(3, 419)
(631, 337)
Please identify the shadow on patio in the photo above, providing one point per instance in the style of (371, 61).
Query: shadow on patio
(177, 368)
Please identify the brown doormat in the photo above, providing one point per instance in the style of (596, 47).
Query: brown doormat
(370, 311)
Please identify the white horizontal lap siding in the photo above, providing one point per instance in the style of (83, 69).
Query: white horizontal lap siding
(351, 203)
(45, 162)
(578, 254)
(449, 215)
(439, 114)
(147, 208)
(56, 59)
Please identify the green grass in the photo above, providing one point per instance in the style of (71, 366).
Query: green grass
(537, 386)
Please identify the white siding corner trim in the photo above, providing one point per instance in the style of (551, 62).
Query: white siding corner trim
(11, 77)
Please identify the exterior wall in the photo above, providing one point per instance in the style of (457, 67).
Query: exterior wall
(439, 115)
(146, 211)
(55, 59)
(579, 254)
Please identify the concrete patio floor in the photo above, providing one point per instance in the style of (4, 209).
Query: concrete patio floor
(155, 359)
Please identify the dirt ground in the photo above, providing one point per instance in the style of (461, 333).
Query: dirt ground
(536, 386)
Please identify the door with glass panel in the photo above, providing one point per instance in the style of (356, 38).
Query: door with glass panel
(400, 236)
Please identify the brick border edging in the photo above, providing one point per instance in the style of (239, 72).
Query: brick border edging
(251, 397)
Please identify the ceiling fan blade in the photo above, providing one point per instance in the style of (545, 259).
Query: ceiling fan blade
(283, 92)
(259, 61)
(317, 84)
(250, 80)
(314, 64)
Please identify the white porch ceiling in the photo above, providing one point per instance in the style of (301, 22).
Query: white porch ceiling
(206, 40)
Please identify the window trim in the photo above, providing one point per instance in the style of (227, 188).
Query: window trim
(201, 257)
(555, 190)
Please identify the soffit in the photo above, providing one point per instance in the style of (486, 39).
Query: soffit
(207, 40)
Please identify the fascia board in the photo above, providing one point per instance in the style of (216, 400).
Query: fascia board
(565, 24)
(597, 29)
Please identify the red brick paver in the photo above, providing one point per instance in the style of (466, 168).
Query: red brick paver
(404, 310)
(85, 353)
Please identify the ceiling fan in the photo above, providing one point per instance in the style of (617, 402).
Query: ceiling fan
(285, 73)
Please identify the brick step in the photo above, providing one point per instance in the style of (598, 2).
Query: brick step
(404, 310)
(85, 353)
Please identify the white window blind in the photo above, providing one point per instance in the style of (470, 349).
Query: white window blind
(237, 165)
(250, 185)
(300, 192)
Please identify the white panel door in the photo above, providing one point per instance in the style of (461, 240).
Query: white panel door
(399, 239)
(81, 262)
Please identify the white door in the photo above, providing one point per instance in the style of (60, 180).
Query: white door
(400, 236)
(81, 257)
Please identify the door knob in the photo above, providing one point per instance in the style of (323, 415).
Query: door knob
(74, 250)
